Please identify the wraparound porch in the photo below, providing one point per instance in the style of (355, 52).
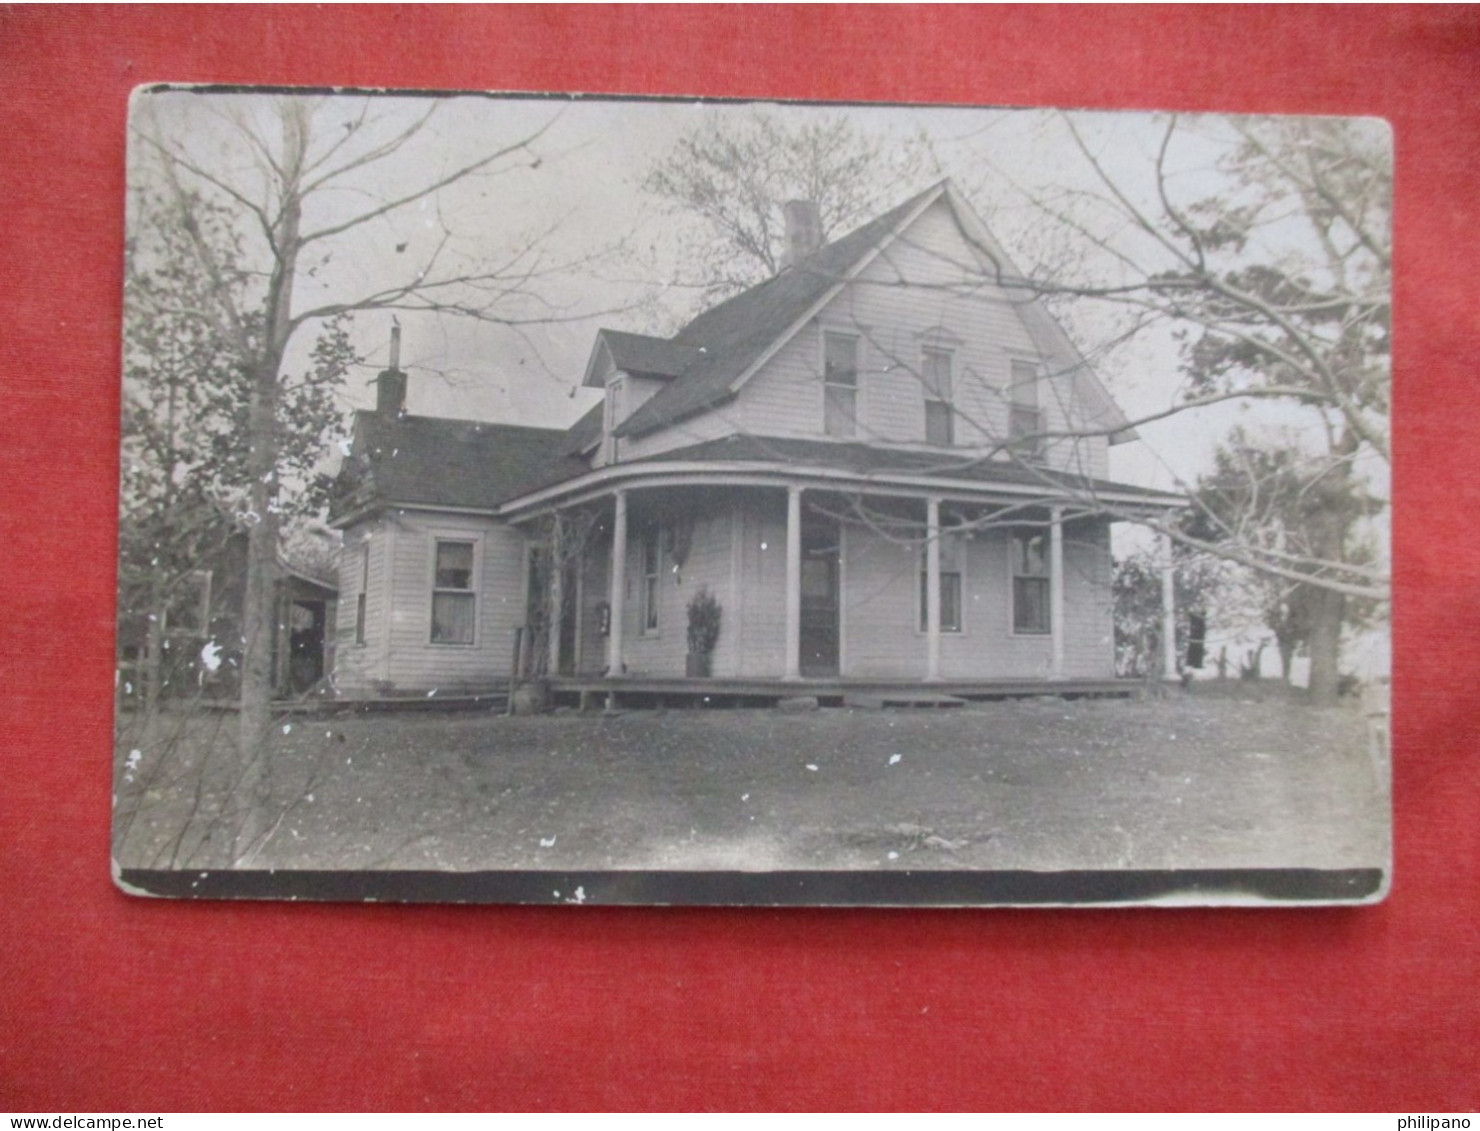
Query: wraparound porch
(588, 691)
(868, 583)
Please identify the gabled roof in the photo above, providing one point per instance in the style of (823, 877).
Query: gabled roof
(731, 337)
(871, 460)
(641, 355)
(585, 433)
(459, 464)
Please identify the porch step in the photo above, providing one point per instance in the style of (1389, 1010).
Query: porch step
(903, 698)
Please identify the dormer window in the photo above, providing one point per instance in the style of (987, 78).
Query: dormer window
(840, 385)
(1025, 415)
(613, 417)
(935, 376)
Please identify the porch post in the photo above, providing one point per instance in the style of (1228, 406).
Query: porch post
(793, 583)
(618, 586)
(1168, 610)
(932, 589)
(556, 598)
(1056, 589)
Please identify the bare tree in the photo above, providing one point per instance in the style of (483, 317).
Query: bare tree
(1268, 263)
(306, 181)
(1279, 287)
(734, 175)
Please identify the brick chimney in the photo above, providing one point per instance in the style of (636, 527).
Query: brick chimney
(390, 386)
(803, 231)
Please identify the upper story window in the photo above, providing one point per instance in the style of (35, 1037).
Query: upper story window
(652, 557)
(840, 385)
(454, 599)
(935, 376)
(1025, 414)
(1030, 581)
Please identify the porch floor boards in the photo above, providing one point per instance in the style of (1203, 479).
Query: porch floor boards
(859, 692)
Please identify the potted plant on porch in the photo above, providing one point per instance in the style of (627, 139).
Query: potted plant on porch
(704, 623)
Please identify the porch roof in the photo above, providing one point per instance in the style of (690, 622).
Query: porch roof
(875, 461)
(822, 464)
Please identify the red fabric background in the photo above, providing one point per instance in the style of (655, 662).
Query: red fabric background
(108, 1002)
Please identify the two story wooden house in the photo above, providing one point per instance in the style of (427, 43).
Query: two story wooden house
(887, 464)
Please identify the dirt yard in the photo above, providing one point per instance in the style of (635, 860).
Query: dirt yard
(1198, 781)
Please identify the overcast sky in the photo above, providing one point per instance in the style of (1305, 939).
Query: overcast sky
(575, 191)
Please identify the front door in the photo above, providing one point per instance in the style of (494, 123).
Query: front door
(820, 596)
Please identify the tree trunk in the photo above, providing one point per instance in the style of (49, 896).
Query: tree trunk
(1328, 610)
(1287, 656)
(259, 616)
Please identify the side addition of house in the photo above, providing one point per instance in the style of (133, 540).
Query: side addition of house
(886, 464)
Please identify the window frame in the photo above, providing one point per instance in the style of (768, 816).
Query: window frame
(852, 389)
(939, 397)
(439, 590)
(952, 552)
(650, 574)
(362, 601)
(1026, 419)
(1044, 579)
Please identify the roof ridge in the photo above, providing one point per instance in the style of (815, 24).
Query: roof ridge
(414, 417)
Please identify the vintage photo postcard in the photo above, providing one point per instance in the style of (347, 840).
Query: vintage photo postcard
(570, 500)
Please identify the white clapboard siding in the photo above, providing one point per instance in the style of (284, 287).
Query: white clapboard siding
(398, 656)
(910, 297)
(880, 607)
(357, 667)
(662, 652)
(1089, 619)
(881, 611)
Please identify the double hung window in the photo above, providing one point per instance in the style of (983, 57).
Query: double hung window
(362, 596)
(651, 566)
(952, 567)
(840, 385)
(1030, 581)
(454, 600)
(935, 376)
(1025, 414)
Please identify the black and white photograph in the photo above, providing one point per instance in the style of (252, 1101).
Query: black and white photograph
(558, 499)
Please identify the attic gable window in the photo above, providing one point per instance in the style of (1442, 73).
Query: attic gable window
(454, 600)
(840, 385)
(935, 376)
(1025, 415)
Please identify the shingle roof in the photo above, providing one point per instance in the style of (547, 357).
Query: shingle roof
(431, 461)
(868, 459)
(586, 431)
(646, 356)
(730, 337)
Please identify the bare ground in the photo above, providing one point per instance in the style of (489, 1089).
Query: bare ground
(1202, 781)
